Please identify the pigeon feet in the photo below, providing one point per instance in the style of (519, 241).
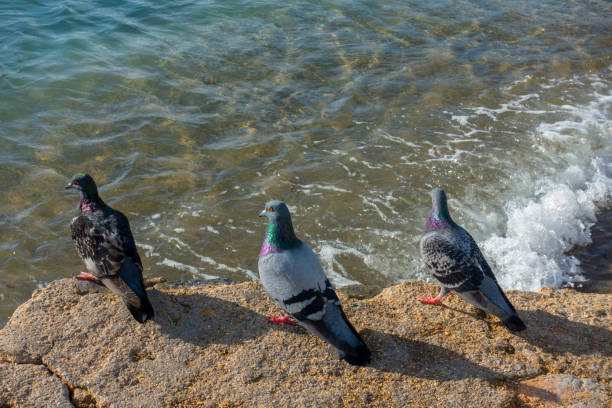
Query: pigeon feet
(431, 300)
(282, 319)
(89, 277)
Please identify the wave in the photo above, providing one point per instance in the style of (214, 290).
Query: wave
(544, 224)
(540, 231)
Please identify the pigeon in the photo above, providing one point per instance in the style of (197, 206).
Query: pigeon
(292, 276)
(104, 241)
(452, 256)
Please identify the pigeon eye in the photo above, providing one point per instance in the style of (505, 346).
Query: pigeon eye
(271, 209)
(77, 182)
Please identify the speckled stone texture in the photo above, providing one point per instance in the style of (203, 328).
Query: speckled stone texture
(212, 346)
(31, 385)
(562, 390)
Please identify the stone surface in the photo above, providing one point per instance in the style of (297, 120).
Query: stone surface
(212, 346)
(31, 385)
(562, 390)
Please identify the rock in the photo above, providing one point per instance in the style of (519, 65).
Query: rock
(360, 291)
(211, 345)
(546, 291)
(83, 399)
(149, 283)
(562, 390)
(31, 385)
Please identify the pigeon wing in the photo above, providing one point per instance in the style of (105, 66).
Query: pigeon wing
(96, 245)
(107, 243)
(449, 263)
(468, 274)
(489, 286)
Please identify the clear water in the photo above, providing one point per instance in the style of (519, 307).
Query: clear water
(192, 114)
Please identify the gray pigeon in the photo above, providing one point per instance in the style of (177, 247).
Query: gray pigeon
(292, 276)
(452, 256)
(104, 241)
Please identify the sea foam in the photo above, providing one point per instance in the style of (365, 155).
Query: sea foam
(540, 231)
(543, 225)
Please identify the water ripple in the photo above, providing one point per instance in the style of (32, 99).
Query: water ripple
(191, 115)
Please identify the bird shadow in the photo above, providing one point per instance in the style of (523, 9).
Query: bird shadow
(396, 354)
(201, 320)
(558, 335)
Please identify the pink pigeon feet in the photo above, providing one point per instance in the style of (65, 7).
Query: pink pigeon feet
(282, 319)
(89, 277)
(431, 300)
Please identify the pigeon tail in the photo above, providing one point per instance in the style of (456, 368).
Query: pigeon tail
(142, 313)
(136, 301)
(359, 355)
(340, 333)
(514, 324)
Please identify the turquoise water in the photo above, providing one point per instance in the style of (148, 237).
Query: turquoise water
(191, 115)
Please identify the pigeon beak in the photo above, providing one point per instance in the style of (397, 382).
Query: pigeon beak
(68, 186)
(263, 213)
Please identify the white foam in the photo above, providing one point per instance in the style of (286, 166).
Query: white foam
(328, 187)
(381, 214)
(327, 255)
(184, 267)
(149, 250)
(211, 229)
(222, 266)
(553, 207)
(516, 105)
(396, 139)
(542, 229)
(178, 265)
(461, 119)
(183, 246)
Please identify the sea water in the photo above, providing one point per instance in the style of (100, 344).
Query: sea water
(191, 114)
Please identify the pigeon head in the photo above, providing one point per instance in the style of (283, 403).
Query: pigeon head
(438, 198)
(86, 185)
(280, 234)
(439, 217)
(276, 210)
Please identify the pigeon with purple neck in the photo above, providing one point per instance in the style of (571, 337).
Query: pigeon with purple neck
(454, 259)
(104, 241)
(292, 276)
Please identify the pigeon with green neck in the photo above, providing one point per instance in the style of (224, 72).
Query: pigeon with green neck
(104, 241)
(454, 259)
(292, 276)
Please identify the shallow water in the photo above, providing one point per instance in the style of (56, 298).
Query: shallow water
(191, 115)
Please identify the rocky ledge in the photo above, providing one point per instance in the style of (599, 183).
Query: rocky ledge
(211, 345)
